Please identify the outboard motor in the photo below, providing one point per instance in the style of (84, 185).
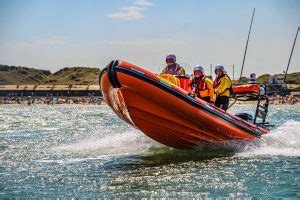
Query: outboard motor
(245, 116)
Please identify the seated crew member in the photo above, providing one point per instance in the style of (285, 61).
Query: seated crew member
(172, 67)
(222, 86)
(202, 86)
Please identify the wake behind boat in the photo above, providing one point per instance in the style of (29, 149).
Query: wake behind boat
(169, 113)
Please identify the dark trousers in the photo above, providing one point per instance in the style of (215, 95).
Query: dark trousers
(222, 102)
(207, 99)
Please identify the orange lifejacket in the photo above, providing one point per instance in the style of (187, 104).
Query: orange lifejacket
(199, 85)
(203, 87)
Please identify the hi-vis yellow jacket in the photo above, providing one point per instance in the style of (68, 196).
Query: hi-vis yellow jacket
(222, 86)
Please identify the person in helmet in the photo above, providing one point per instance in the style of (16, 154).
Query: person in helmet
(172, 67)
(252, 78)
(202, 86)
(223, 86)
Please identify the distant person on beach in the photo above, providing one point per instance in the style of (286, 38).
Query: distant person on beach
(202, 86)
(222, 86)
(172, 67)
(252, 78)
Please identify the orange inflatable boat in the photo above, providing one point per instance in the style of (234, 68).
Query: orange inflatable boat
(167, 112)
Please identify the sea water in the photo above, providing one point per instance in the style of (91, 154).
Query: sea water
(87, 151)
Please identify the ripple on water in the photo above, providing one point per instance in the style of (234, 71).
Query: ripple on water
(86, 151)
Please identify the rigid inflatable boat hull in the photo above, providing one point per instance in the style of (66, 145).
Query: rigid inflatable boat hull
(166, 113)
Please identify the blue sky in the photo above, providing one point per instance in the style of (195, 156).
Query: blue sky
(52, 34)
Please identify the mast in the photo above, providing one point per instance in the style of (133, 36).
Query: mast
(288, 65)
(246, 46)
(232, 71)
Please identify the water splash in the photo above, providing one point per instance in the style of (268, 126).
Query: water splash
(128, 142)
(283, 141)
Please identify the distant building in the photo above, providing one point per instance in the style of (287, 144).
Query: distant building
(295, 94)
(277, 79)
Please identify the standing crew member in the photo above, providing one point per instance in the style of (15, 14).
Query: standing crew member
(172, 67)
(222, 86)
(202, 86)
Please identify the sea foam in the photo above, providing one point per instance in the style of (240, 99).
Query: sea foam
(283, 141)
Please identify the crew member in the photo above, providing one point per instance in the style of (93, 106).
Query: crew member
(223, 87)
(172, 67)
(202, 86)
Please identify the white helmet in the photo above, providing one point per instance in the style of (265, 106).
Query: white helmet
(199, 68)
(171, 57)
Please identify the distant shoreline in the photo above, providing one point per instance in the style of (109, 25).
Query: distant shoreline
(98, 100)
(18, 75)
(52, 100)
